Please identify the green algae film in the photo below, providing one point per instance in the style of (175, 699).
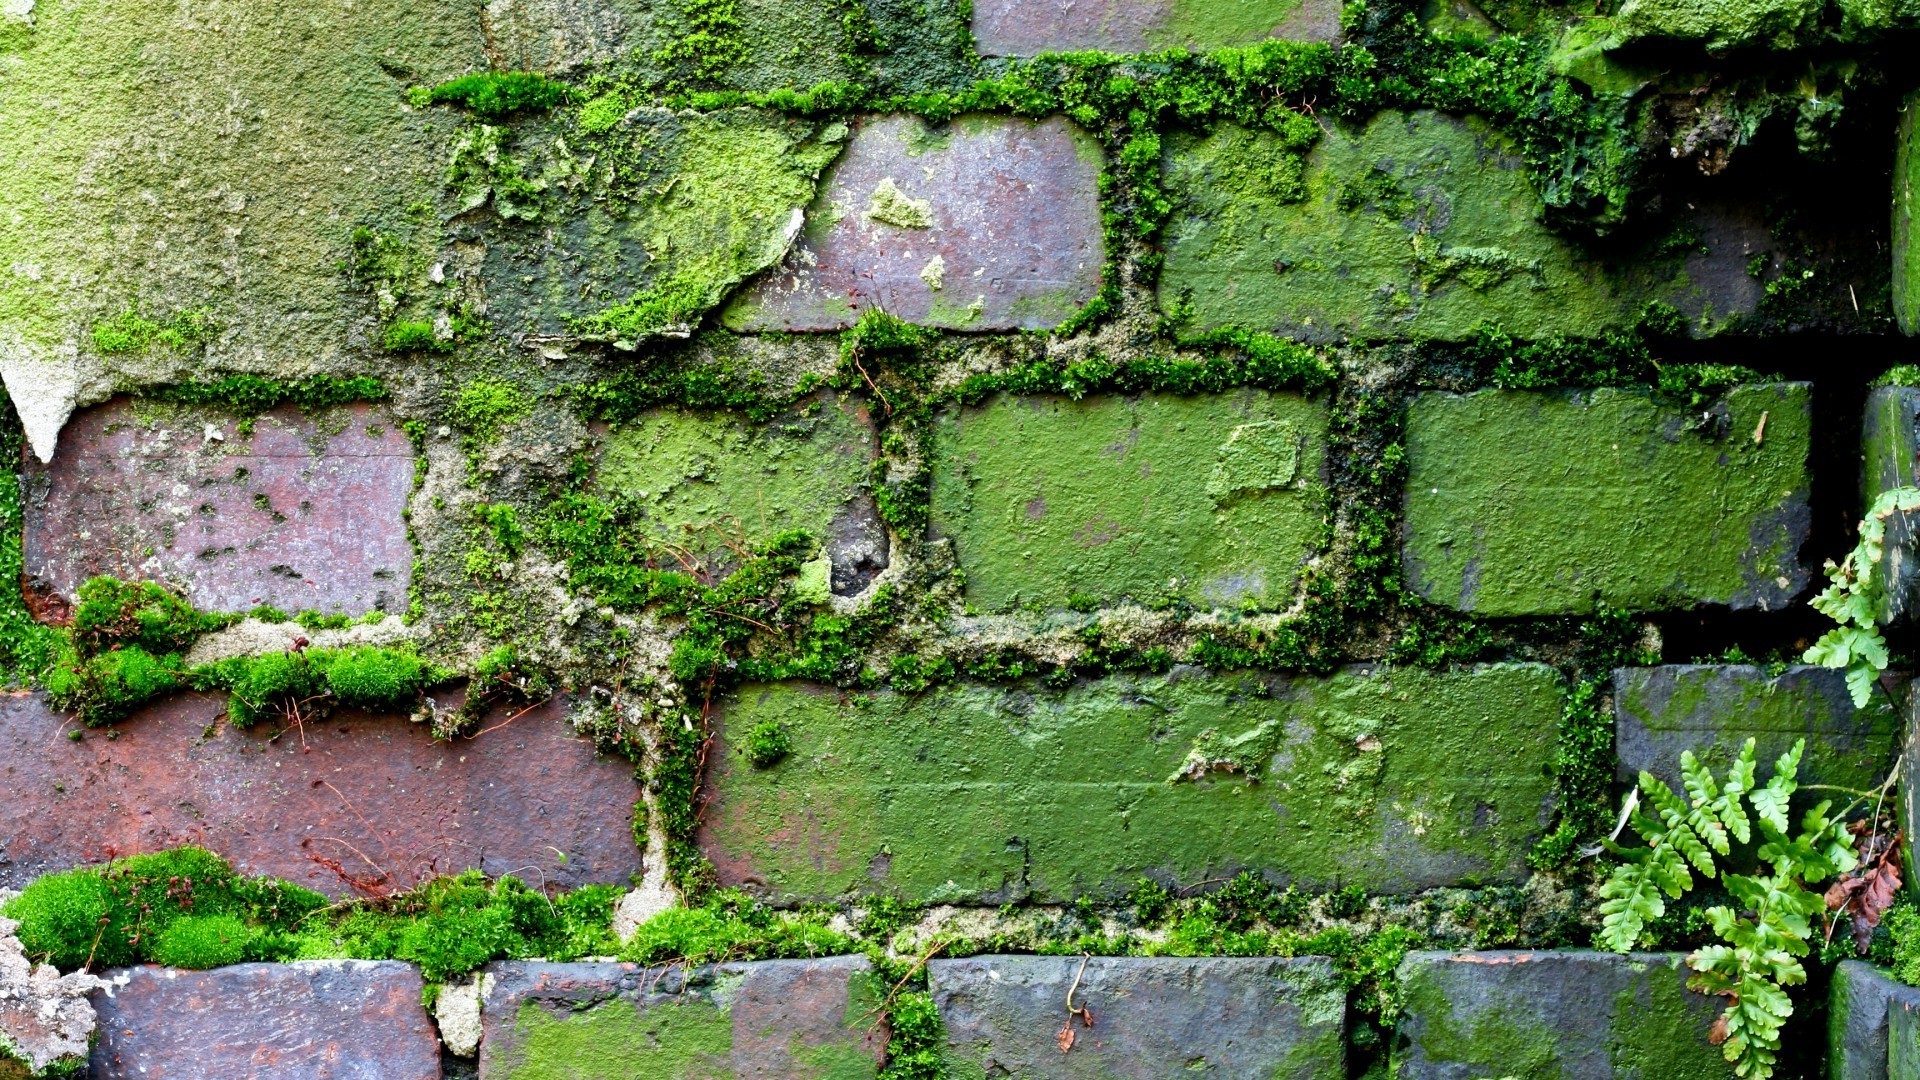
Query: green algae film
(1542, 503)
(703, 478)
(1388, 780)
(1417, 223)
(1217, 500)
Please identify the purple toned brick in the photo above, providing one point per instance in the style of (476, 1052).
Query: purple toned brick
(303, 514)
(770, 1020)
(1025, 28)
(1002, 214)
(315, 1020)
(354, 804)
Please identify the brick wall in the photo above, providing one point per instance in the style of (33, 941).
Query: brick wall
(930, 539)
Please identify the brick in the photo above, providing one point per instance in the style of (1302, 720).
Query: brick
(1903, 1037)
(1571, 1015)
(331, 1019)
(1891, 444)
(1910, 783)
(1712, 709)
(303, 514)
(1002, 215)
(1538, 503)
(772, 1020)
(1906, 238)
(1216, 500)
(374, 795)
(1230, 1017)
(705, 481)
(1415, 225)
(1393, 780)
(1861, 1010)
(1017, 28)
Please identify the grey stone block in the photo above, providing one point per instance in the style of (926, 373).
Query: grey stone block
(767, 1020)
(1712, 709)
(1859, 1008)
(1890, 439)
(1563, 1015)
(332, 1019)
(1224, 1017)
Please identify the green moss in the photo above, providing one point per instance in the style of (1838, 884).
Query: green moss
(496, 94)
(27, 648)
(916, 1039)
(414, 337)
(109, 614)
(767, 743)
(690, 1039)
(370, 677)
(729, 925)
(132, 332)
(254, 394)
(202, 941)
(485, 407)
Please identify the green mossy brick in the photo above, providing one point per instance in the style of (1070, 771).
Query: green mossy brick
(1712, 709)
(1217, 500)
(1890, 445)
(1553, 1016)
(1544, 503)
(1388, 780)
(703, 478)
(1416, 225)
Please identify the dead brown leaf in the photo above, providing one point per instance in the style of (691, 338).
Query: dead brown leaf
(1066, 1036)
(1864, 893)
(1717, 1034)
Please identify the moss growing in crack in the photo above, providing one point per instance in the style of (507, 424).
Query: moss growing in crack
(485, 407)
(493, 95)
(369, 677)
(132, 332)
(26, 646)
(254, 394)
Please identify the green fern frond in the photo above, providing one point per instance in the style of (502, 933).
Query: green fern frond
(1673, 814)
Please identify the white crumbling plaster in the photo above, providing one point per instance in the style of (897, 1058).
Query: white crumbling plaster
(45, 1016)
(44, 384)
(457, 1010)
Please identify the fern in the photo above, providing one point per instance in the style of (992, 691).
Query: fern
(1856, 599)
(1772, 925)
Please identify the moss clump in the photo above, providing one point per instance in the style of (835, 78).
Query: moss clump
(369, 677)
(767, 743)
(124, 648)
(128, 912)
(254, 394)
(1899, 375)
(729, 925)
(26, 646)
(485, 407)
(495, 94)
(414, 337)
(132, 332)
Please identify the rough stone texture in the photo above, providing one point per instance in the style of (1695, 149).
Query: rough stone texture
(987, 224)
(313, 1020)
(1859, 1013)
(296, 804)
(1567, 1015)
(1712, 709)
(1910, 784)
(306, 513)
(1213, 500)
(214, 156)
(1891, 444)
(1415, 225)
(45, 1017)
(1392, 780)
(1022, 28)
(1903, 1037)
(1537, 503)
(1252, 1018)
(707, 481)
(770, 1020)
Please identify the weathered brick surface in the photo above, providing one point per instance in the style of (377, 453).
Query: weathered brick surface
(987, 224)
(314, 1020)
(1021, 28)
(770, 1020)
(712, 483)
(352, 798)
(1387, 779)
(1864, 1005)
(1711, 709)
(1906, 237)
(1214, 500)
(1533, 503)
(1573, 1015)
(1243, 1018)
(1892, 459)
(303, 514)
(1413, 225)
(1903, 1037)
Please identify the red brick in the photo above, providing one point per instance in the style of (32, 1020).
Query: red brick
(305, 514)
(1014, 219)
(323, 1019)
(1025, 28)
(374, 796)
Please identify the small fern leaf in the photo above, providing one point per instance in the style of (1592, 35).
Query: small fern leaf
(1673, 811)
(1704, 795)
(1631, 898)
(1739, 782)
